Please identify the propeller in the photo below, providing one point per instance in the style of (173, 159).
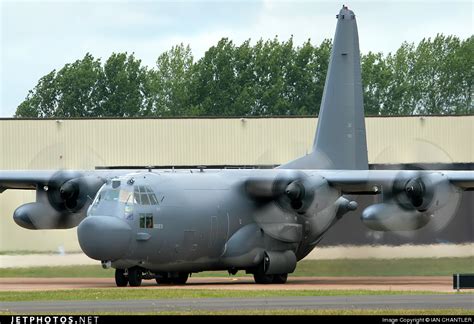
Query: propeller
(71, 191)
(287, 200)
(291, 191)
(427, 195)
(62, 202)
(412, 192)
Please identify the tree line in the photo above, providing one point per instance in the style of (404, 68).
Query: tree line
(269, 78)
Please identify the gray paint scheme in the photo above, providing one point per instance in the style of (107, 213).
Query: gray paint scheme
(260, 221)
(341, 117)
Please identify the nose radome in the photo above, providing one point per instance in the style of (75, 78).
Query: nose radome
(104, 237)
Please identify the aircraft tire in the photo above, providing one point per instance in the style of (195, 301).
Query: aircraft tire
(181, 279)
(161, 281)
(134, 277)
(120, 279)
(280, 278)
(261, 278)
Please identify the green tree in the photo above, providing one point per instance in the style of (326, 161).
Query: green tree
(122, 86)
(307, 77)
(273, 61)
(170, 83)
(71, 92)
(376, 76)
(213, 81)
(77, 88)
(266, 79)
(42, 100)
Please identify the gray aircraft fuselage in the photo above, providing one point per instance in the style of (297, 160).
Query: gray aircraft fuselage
(196, 221)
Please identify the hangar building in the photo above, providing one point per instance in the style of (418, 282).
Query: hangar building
(406, 142)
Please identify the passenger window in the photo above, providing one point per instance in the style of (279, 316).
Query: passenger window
(146, 220)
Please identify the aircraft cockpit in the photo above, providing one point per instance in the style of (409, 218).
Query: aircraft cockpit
(119, 197)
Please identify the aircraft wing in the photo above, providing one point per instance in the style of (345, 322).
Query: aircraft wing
(30, 180)
(23, 179)
(411, 199)
(375, 181)
(62, 197)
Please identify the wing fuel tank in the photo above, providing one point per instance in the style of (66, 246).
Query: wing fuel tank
(39, 216)
(391, 217)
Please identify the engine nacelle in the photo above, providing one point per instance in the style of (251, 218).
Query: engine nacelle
(39, 215)
(392, 217)
(412, 203)
(60, 204)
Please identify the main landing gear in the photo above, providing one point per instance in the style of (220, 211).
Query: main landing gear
(179, 278)
(135, 275)
(132, 276)
(261, 278)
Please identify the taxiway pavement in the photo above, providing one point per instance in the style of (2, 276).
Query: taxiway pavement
(464, 301)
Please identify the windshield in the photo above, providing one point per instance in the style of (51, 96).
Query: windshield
(144, 195)
(110, 194)
(119, 199)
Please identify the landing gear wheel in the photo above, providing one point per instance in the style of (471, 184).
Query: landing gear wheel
(181, 279)
(120, 279)
(261, 278)
(280, 278)
(161, 281)
(134, 277)
(174, 279)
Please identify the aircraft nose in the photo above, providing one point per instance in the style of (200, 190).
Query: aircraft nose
(104, 237)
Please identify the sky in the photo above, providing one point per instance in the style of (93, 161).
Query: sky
(39, 36)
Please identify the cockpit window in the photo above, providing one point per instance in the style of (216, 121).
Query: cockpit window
(111, 194)
(144, 195)
(106, 193)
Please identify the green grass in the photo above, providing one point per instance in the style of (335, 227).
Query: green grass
(386, 267)
(83, 271)
(27, 252)
(322, 268)
(134, 293)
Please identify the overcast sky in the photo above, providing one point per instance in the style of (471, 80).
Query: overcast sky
(39, 36)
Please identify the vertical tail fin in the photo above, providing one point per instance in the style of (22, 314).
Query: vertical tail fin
(340, 141)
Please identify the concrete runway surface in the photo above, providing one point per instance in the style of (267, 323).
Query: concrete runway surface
(434, 284)
(224, 304)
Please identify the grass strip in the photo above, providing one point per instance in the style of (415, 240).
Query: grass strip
(323, 268)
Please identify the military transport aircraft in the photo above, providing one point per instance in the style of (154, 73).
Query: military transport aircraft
(168, 224)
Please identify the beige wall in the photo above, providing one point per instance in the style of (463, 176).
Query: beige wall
(84, 144)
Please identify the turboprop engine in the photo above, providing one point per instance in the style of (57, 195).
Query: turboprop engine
(61, 203)
(413, 202)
